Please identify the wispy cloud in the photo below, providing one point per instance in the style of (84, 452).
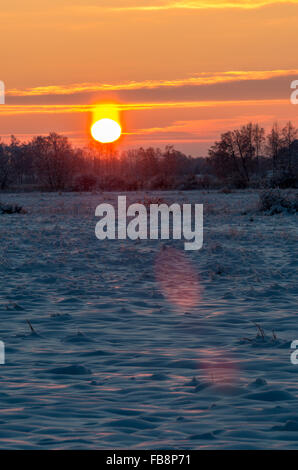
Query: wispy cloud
(66, 109)
(200, 128)
(199, 79)
(192, 5)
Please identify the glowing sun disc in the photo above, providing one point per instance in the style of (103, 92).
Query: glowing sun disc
(106, 130)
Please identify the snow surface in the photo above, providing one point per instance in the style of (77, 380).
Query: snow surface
(131, 350)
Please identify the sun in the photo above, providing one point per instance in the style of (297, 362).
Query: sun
(106, 130)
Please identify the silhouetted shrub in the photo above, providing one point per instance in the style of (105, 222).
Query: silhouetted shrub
(189, 183)
(85, 183)
(162, 182)
(112, 183)
(237, 182)
(133, 185)
(284, 180)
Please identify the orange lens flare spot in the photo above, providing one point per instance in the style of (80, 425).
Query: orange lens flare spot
(177, 279)
(106, 131)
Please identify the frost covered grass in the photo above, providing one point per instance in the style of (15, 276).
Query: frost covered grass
(101, 351)
(275, 201)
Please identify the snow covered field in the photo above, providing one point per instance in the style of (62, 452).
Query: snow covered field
(131, 349)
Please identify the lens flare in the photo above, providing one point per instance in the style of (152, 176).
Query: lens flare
(177, 279)
(106, 131)
(218, 368)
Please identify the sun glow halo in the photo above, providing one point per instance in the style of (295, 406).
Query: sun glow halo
(106, 130)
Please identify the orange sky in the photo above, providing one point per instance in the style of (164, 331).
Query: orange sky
(181, 71)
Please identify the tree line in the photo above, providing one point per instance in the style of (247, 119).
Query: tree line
(244, 157)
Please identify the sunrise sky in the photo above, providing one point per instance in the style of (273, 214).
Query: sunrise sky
(182, 72)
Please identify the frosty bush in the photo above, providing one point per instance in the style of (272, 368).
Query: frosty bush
(285, 180)
(274, 201)
(11, 209)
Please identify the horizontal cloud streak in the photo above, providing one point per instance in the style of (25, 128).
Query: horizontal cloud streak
(206, 78)
(192, 5)
(6, 110)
